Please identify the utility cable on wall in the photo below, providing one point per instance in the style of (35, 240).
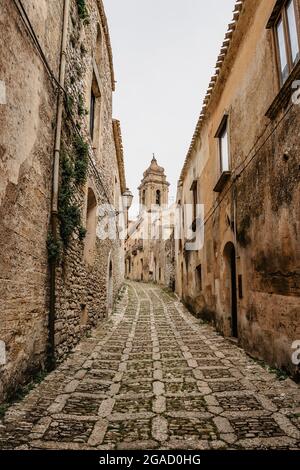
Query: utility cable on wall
(213, 209)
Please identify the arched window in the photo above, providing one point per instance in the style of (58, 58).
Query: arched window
(144, 197)
(158, 197)
(91, 225)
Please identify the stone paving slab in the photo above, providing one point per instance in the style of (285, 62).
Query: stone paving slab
(154, 377)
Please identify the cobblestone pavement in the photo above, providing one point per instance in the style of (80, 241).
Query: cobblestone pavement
(154, 377)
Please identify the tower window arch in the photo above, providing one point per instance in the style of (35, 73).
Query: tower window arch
(158, 197)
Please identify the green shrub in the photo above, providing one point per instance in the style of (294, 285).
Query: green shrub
(53, 247)
(80, 106)
(81, 161)
(82, 9)
(70, 104)
(73, 173)
(69, 220)
(68, 212)
(82, 233)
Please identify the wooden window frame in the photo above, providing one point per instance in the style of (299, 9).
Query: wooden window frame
(224, 125)
(282, 14)
(224, 175)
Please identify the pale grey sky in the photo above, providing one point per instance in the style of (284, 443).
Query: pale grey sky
(164, 55)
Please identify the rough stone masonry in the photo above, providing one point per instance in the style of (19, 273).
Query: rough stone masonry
(88, 271)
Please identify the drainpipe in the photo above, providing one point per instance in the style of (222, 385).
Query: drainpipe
(55, 188)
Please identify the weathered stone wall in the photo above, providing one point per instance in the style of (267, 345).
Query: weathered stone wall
(26, 149)
(27, 126)
(82, 298)
(258, 212)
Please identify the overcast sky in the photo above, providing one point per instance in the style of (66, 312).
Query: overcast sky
(164, 55)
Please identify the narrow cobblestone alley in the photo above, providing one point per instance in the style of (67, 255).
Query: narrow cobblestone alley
(153, 377)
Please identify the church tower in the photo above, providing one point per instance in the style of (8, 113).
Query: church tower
(154, 188)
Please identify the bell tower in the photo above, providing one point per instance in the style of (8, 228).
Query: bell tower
(154, 188)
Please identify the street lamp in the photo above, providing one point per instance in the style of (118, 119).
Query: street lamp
(127, 198)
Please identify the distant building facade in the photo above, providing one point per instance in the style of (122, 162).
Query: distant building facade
(243, 167)
(61, 160)
(150, 252)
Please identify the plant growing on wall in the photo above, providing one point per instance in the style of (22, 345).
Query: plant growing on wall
(82, 9)
(68, 212)
(74, 166)
(81, 161)
(81, 109)
(73, 174)
(70, 103)
(53, 247)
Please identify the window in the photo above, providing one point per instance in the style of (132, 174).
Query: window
(92, 114)
(199, 278)
(287, 39)
(223, 146)
(293, 33)
(158, 197)
(194, 189)
(224, 155)
(144, 197)
(95, 112)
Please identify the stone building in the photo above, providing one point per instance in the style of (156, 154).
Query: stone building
(243, 166)
(61, 160)
(150, 243)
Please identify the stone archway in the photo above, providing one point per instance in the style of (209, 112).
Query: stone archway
(231, 302)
